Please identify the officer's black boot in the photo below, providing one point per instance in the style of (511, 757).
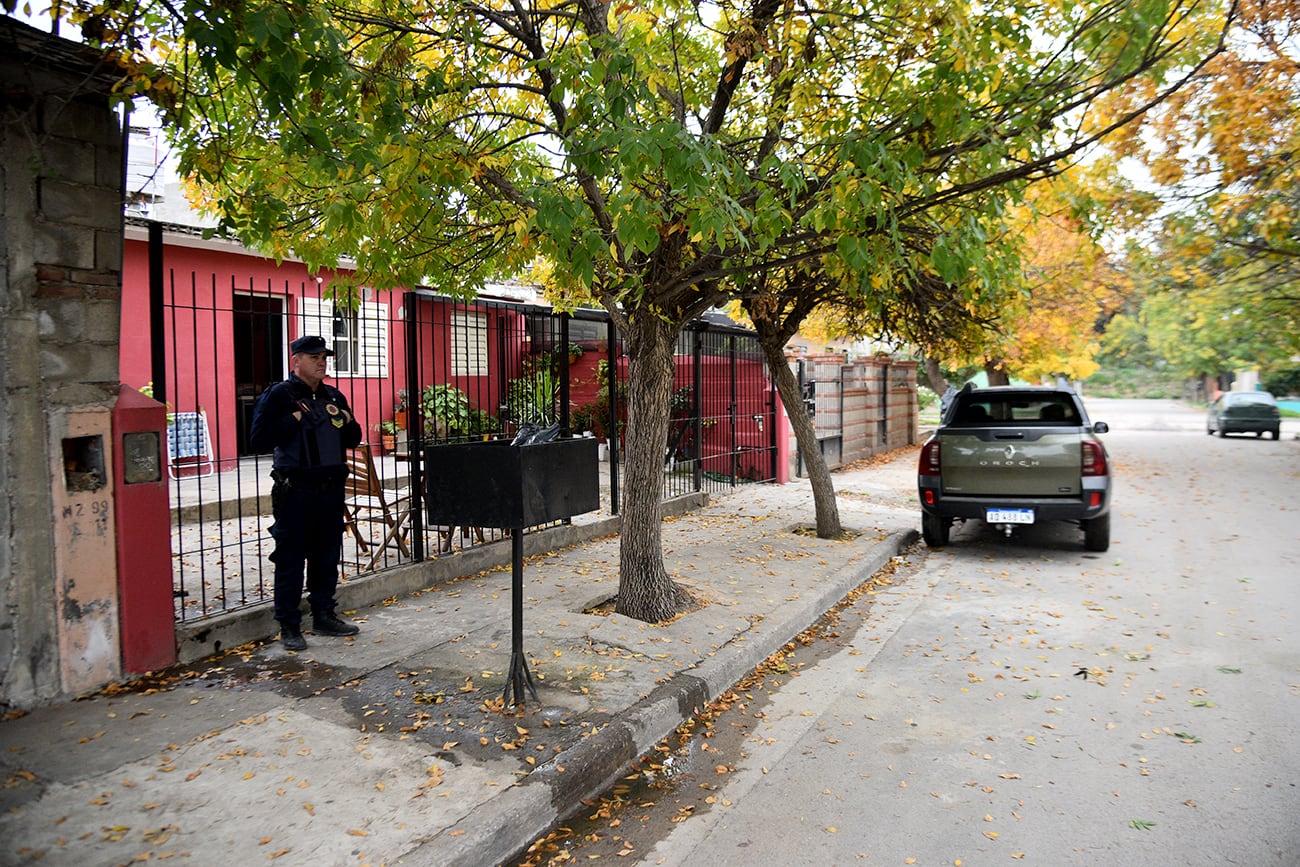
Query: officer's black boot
(328, 623)
(291, 638)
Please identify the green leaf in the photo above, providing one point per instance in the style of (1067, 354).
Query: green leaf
(1142, 824)
(1227, 669)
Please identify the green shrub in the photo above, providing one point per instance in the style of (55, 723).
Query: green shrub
(1282, 382)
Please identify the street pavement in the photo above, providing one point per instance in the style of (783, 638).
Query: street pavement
(395, 747)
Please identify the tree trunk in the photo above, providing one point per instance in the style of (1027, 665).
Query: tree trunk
(938, 383)
(996, 372)
(805, 434)
(645, 592)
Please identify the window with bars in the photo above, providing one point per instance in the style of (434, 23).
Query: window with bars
(358, 337)
(469, 343)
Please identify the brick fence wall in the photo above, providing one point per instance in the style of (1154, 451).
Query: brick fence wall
(877, 406)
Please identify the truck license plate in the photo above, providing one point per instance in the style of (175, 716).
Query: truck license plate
(1010, 516)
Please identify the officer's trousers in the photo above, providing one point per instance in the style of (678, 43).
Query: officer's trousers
(308, 532)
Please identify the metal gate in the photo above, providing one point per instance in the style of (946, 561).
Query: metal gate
(416, 368)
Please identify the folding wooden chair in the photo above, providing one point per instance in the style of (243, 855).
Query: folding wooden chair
(368, 503)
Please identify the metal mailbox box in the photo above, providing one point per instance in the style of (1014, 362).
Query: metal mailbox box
(496, 484)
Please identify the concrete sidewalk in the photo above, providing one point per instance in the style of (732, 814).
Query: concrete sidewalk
(392, 748)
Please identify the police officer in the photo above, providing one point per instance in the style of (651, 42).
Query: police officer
(310, 426)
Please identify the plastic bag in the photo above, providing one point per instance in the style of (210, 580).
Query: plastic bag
(530, 434)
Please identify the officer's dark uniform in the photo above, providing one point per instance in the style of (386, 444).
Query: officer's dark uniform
(310, 467)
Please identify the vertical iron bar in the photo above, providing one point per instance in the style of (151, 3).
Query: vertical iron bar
(773, 399)
(884, 405)
(565, 373)
(611, 371)
(735, 441)
(415, 423)
(502, 371)
(697, 385)
(519, 676)
(157, 316)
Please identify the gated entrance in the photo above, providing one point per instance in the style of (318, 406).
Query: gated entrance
(418, 369)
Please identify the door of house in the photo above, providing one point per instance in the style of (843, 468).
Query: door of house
(259, 350)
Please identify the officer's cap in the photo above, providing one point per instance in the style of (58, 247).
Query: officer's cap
(310, 346)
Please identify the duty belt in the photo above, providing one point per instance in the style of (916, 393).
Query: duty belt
(311, 483)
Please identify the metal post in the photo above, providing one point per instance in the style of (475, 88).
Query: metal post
(884, 405)
(734, 409)
(772, 398)
(519, 676)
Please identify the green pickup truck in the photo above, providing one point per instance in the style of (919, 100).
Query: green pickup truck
(1015, 455)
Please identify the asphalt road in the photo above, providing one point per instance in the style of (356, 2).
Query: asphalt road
(1022, 700)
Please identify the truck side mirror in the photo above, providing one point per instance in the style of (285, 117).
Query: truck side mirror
(1101, 427)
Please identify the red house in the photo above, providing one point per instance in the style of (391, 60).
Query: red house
(228, 316)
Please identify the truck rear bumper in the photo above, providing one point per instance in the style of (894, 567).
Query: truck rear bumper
(1094, 502)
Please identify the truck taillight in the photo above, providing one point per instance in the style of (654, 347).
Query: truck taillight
(1094, 459)
(929, 462)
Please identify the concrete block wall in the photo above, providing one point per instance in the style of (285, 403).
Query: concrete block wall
(61, 193)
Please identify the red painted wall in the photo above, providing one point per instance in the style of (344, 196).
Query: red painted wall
(202, 284)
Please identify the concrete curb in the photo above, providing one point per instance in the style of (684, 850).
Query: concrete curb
(528, 810)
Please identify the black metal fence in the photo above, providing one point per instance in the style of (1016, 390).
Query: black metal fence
(417, 369)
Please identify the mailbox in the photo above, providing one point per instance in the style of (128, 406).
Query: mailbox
(496, 484)
(499, 484)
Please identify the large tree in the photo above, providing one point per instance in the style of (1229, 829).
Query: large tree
(661, 155)
(1219, 262)
(1066, 287)
(921, 310)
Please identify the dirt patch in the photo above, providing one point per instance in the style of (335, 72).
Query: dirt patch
(810, 531)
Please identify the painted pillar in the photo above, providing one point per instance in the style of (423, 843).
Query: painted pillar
(143, 513)
(85, 550)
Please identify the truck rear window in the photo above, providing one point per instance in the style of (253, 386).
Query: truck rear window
(1045, 410)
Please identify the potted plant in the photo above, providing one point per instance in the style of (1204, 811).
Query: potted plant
(388, 435)
(445, 409)
(399, 410)
(581, 418)
(531, 397)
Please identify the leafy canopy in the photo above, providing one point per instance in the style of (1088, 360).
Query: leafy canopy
(1219, 261)
(636, 145)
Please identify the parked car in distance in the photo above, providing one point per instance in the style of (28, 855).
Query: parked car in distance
(1015, 455)
(1244, 412)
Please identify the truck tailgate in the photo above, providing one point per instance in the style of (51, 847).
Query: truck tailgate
(1021, 463)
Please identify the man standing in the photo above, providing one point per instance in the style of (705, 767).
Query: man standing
(310, 426)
